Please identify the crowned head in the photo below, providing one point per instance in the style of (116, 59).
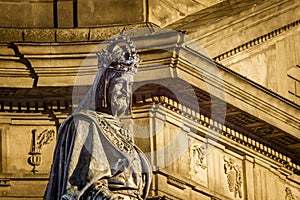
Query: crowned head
(118, 62)
(120, 55)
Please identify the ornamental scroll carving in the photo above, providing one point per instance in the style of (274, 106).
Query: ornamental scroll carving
(234, 177)
(37, 142)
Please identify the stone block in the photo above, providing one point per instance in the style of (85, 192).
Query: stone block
(132, 30)
(72, 35)
(65, 14)
(105, 12)
(39, 35)
(104, 33)
(20, 82)
(10, 35)
(165, 12)
(26, 14)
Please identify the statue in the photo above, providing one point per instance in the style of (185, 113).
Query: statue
(95, 156)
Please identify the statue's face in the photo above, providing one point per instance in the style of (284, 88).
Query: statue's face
(120, 91)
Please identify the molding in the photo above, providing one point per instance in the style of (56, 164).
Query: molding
(26, 62)
(241, 92)
(63, 34)
(162, 197)
(213, 128)
(4, 182)
(191, 185)
(176, 182)
(257, 41)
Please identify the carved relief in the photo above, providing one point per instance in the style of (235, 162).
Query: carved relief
(198, 157)
(288, 194)
(234, 177)
(198, 163)
(37, 143)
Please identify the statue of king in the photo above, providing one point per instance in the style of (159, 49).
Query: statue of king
(95, 156)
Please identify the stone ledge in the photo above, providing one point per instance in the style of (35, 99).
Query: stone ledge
(257, 41)
(64, 35)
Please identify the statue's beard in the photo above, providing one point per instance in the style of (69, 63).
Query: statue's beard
(119, 103)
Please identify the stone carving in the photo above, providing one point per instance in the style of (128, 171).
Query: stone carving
(72, 35)
(39, 35)
(197, 163)
(198, 156)
(98, 154)
(176, 182)
(234, 176)
(288, 194)
(37, 142)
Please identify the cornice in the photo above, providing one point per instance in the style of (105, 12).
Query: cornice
(213, 129)
(240, 91)
(257, 41)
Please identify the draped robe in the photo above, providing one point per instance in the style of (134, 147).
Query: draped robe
(84, 154)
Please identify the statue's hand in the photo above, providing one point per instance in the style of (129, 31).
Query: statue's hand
(103, 193)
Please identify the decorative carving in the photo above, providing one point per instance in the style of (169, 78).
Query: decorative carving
(288, 194)
(198, 157)
(37, 143)
(39, 35)
(176, 182)
(234, 176)
(72, 35)
(4, 182)
(120, 137)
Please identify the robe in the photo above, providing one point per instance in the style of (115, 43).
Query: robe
(85, 154)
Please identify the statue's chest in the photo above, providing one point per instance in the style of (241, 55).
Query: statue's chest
(117, 135)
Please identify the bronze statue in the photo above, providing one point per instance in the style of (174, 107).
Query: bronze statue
(95, 156)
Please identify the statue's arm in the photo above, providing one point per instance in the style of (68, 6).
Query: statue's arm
(89, 166)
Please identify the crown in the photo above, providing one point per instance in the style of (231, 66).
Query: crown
(120, 55)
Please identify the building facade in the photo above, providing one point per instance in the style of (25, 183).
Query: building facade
(216, 102)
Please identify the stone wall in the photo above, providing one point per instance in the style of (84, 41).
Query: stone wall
(192, 161)
(69, 13)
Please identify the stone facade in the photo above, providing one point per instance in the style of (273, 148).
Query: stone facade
(221, 128)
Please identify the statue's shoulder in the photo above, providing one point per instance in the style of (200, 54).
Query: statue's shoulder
(88, 116)
(85, 115)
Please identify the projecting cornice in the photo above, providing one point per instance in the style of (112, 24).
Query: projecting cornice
(257, 41)
(228, 30)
